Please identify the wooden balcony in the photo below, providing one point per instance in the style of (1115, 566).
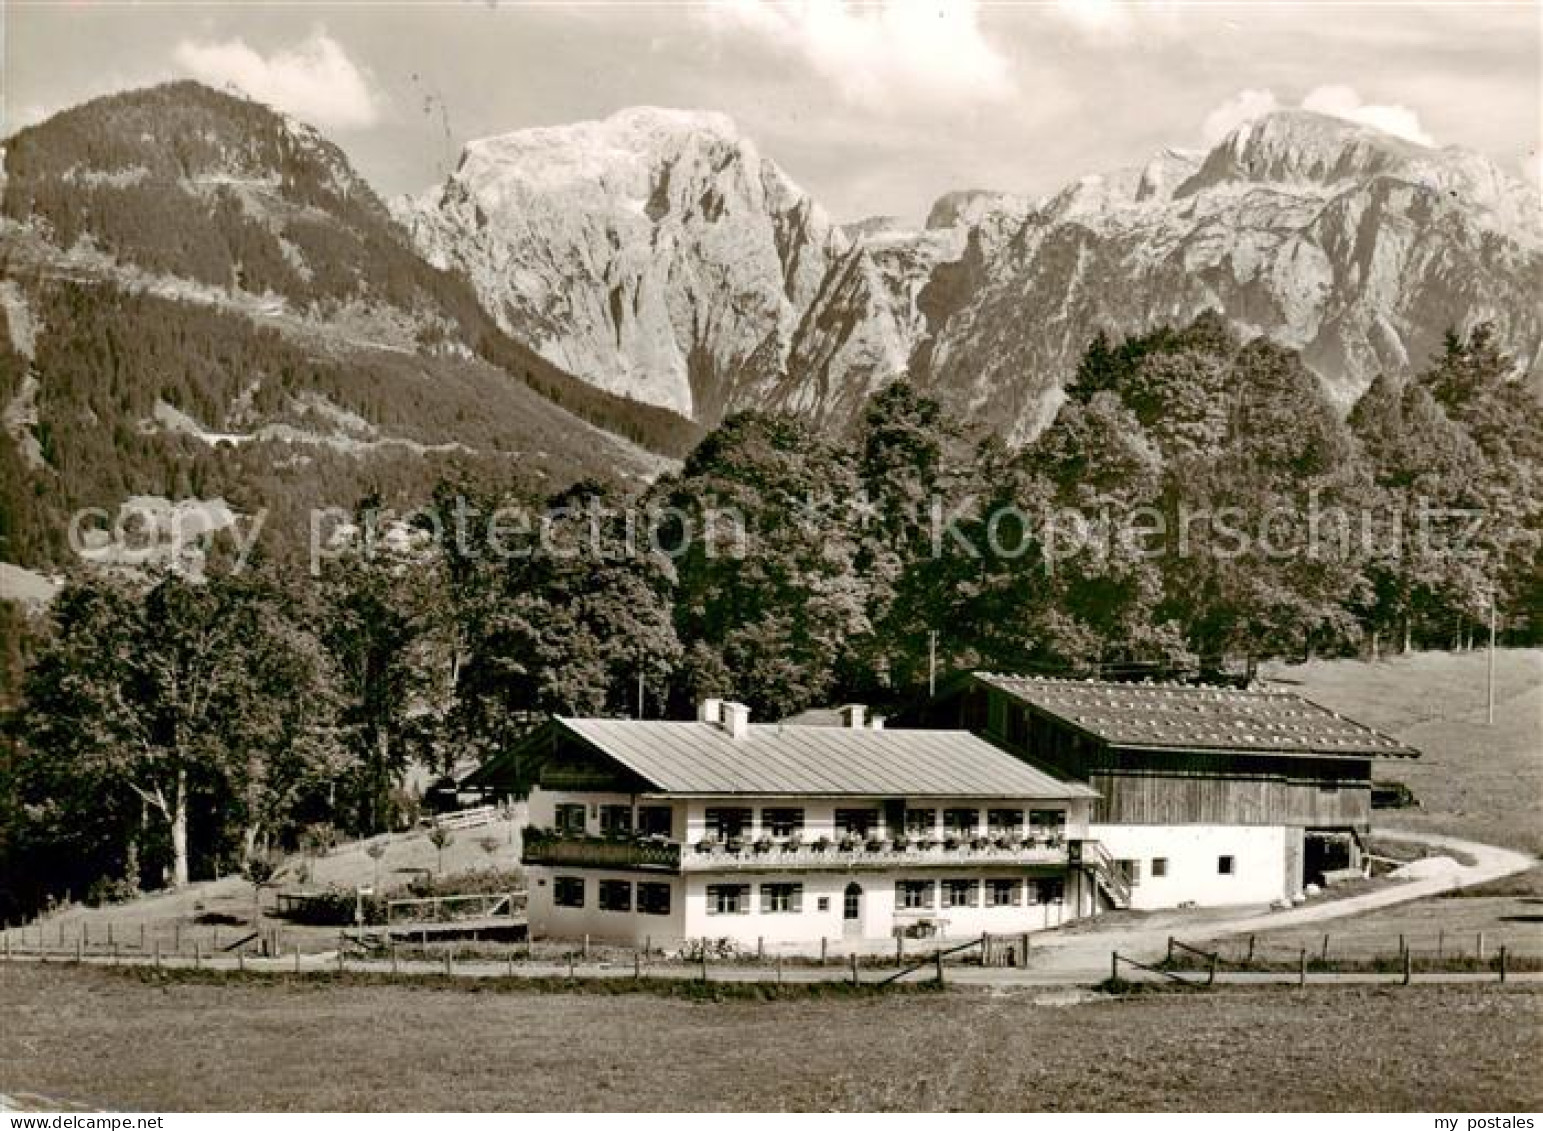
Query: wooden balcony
(879, 856)
(549, 848)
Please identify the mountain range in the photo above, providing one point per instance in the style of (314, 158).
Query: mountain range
(662, 256)
(200, 297)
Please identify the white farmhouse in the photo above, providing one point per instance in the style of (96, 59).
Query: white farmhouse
(782, 836)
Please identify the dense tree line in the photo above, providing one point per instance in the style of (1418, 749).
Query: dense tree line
(161, 728)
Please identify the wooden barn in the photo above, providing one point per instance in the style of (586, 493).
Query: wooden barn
(1206, 795)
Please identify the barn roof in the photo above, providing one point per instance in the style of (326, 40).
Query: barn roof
(702, 758)
(1188, 717)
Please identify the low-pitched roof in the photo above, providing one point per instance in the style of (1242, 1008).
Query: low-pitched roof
(703, 759)
(1184, 716)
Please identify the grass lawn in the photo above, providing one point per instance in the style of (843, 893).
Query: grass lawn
(1474, 780)
(109, 1039)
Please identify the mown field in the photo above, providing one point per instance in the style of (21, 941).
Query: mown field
(109, 1039)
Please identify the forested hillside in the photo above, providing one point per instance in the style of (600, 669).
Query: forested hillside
(842, 558)
(179, 265)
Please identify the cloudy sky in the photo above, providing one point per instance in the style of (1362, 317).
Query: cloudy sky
(875, 107)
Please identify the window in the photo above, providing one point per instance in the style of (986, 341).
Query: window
(1003, 893)
(959, 893)
(782, 822)
(1131, 870)
(1004, 821)
(1159, 867)
(615, 895)
(568, 891)
(921, 822)
(654, 899)
(616, 819)
(1046, 891)
(1047, 822)
(856, 822)
(777, 898)
(655, 820)
(728, 899)
(569, 818)
(1225, 866)
(728, 824)
(913, 894)
(822, 903)
(964, 821)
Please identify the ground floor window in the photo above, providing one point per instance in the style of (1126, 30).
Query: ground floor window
(777, 898)
(1003, 893)
(615, 895)
(568, 891)
(912, 894)
(654, 899)
(1225, 866)
(1131, 870)
(959, 893)
(1050, 890)
(728, 899)
(1159, 867)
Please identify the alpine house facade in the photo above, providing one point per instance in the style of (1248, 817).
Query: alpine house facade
(794, 838)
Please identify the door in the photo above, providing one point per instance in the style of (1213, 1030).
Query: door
(852, 911)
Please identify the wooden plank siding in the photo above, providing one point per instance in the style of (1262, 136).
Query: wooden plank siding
(1170, 786)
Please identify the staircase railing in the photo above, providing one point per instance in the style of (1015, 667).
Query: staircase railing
(1106, 872)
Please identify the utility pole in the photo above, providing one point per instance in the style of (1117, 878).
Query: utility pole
(932, 663)
(1489, 683)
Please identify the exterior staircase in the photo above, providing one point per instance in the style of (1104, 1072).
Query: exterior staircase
(1111, 880)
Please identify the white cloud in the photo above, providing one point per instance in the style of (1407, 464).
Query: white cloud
(314, 80)
(1336, 100)
(1344, 102)
(881, 55)
(1115, 22)
(1244, 106)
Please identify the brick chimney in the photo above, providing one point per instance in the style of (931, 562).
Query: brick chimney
(736, 720)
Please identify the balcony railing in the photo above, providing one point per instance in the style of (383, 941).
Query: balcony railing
(875, 855)
(544, 846)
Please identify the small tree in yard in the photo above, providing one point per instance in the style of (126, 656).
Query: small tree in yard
(490, 845)
(441, 838)
(259, 870)
(375, 851)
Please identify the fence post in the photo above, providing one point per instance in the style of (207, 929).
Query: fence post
(157, 954)
(648, 944)
(1025, 948)
(509, 970)
(760, 948)
(1502, 965)
(1323, 954)
(854, 968)
(198, 955)
(141, 935)
(899, 950)
(1250, 949)
(822, 950)
(297, 958)
(1210, 978)
(113, 947)
(450, 961)
(937, 958)
(393, 958)
(1441, 944)
(570, 966)
(176, 937)
(586, 948)
(1408, 967)
(215, 945)
(704, 960)
(79, 952)
(110, 934)
(1170, 949)
(779, 969)
(637, 966)
(241, 959)
(1302, 969)
(1481, 946)
(1114, 965)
